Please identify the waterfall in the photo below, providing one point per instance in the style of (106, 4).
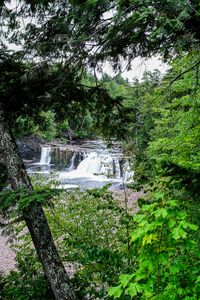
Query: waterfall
(106, 166)
(96, 169)
(96, 164)
(45, 158)
(72, 163)
(83, 167)
(116, 167)
(90, 165)
(127, 172)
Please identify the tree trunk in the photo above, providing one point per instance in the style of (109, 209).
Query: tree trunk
(34, 217)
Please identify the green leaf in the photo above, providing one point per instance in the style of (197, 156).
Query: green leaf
(192, 226)
(139, 276)
(171, 223)
(173, 203)
(179, 233)
(148, 239)
(133, 289)
(184, 224)
(159, 196)
(161, 212)
(136, 234)
(115, 291)
(174, 269)
(198, 279)
(138, 217)
(125, 278)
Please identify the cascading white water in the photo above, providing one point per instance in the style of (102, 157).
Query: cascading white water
(72, 163)
(45, 158)
(127, 173)
(107, 166)
(86, 169)
(117, 169)
(95, 164)
(90, 165)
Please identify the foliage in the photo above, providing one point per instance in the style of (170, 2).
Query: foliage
(124, 116)
(167, 258)
(24, 198)
(90, 230)
(25, 126)
(42, 103)
(174, 145)
(82, 32)
(47, 126)
(164, 239)
(44, 127)
(28, 282)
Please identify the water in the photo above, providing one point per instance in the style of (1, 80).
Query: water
(72, 164)
(88, 165)
(96, 164)
(45, 156)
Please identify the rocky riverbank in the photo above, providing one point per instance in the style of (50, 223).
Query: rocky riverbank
(7, 257)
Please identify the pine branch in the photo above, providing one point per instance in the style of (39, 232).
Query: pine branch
(177, 77)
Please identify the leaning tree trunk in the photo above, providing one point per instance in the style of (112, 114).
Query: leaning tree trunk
(34, 217)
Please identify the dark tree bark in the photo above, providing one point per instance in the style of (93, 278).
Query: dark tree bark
(34, 217)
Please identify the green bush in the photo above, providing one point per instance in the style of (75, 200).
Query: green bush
(47, 126)
(90, 230)
(167, 258)
(25, 126)
(44, 126)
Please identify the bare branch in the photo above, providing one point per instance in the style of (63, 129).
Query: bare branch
(2, 224)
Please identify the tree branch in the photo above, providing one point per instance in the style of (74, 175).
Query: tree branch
(177, 77)
(2, 224)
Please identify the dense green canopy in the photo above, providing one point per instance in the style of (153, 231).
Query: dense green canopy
(85, 32)
(27, 88)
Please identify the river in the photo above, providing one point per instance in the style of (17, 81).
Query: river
(83, 165)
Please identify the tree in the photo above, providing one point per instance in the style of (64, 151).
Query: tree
(32, 214)
(111, 30)
(26, 89)
(175, 138)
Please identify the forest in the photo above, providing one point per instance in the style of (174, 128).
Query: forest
(135, 235)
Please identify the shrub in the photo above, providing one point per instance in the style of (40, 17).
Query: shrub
(167, 258)
(91, 231)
